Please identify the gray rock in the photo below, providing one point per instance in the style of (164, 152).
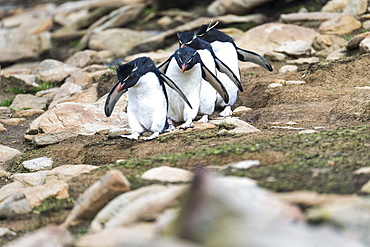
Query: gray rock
(167, 174)
(38, 164)
(111, 40)
(15, 205)
(87, 57)
(87, 118)
(65, 91)
(267, 37)
(23, 101)
(53, 71)
(54, 137)
(13, 47)
(11, 189)
(294, 48)
(50, 235)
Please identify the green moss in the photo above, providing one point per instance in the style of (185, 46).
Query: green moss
(52, 204)
(322, 162)
(7, 102)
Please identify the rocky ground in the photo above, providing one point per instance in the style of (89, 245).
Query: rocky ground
(290, 166)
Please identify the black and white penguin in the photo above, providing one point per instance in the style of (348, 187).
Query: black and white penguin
(226, 50)
(223, 72)
(186, 67)
(147, 97)
(224, 45)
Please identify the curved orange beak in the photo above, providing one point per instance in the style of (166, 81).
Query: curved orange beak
(183, 68)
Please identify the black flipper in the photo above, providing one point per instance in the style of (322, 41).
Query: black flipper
(250, 56)
(172, 85)
(164, 66)
(225, 69)
(112, 99)
(215, 82)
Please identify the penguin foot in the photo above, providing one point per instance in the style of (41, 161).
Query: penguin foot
(153, 136)
(171, 126)
(227, 112)
(186, 125)
(133, 136)
(204, 119)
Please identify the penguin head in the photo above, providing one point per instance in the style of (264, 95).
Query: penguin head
(128, 75)
(186, 58)
(204, 29)
(186, 38)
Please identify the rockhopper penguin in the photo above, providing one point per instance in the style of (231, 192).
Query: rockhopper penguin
(226, 50)
(186, 67)
(147, 97)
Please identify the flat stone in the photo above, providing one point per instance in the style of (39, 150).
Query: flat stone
(343, 25)
(87, 118)
(241, 110)
(294, 48)
(27, 113)
(274, 85)
(288, 68)
(167, 174)
(309, 16)
(37, 194)
(38, 164)
(31, 178)
(12, 121)
(244, 165)
(23, 101)
(266, 37)
(54, 71)
(241, 126)
(304, 60)
(307, 131)
(54, 137)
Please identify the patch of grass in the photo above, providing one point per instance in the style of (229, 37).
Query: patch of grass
(16, 90)
(52, 204)
(42, 86)
(322, 162)
(7, 102)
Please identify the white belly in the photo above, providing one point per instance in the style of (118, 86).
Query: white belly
(189, 82)
(227, 54)
(147, 106)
